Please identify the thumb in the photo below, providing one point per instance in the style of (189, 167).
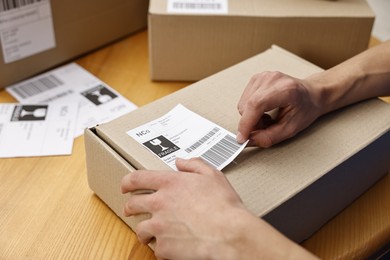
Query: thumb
(271, 135)
(194, 165)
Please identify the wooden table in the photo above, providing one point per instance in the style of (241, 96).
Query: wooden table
(47, 210)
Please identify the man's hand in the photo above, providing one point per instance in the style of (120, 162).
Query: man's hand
(191, 209)
(297, 104)
(196, 214)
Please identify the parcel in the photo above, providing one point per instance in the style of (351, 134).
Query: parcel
(296, 186)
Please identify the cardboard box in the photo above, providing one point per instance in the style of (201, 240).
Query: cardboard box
(79, 27)
(189, 47)
(296, 186)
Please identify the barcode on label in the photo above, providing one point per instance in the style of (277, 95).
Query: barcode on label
(35, 87)
(208, 6)
(222, 151)
(198, 6)
(202, 140)
(6, 5)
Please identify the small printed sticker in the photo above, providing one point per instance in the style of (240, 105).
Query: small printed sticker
(197, 6)
(29, 113)
(99, 95)
(161, 146)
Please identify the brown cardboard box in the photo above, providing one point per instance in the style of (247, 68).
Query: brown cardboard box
(190, 47)
(296, 186)
(79, 27)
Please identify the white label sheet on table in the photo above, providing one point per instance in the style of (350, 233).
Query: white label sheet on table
(98, 102)
(37, 130)
(26, 28)
(185, 134)
(197, 6)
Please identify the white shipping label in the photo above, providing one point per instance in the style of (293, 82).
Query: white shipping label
(184, 134)
(37, 130)
(197, 6)
(98, 102)
(26, 28)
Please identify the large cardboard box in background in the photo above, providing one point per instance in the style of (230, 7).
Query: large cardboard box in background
(296, 186)
(79, 27)
(190, 47)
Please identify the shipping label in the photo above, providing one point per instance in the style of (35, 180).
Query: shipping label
(26, 28)
(98, 102)
(197, 6)
(185, 134)
(37, 130)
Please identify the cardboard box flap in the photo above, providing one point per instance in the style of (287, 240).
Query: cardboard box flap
(289, 8)
(282, 171)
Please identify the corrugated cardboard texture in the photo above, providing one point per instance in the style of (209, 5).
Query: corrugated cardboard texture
(108, 169)
(267, 179)
(191, 47)
(79, 27)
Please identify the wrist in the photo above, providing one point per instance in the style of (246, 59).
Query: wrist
(330, 90)
(341, 85)
(321, 91)
(256, 239)
(223, 243)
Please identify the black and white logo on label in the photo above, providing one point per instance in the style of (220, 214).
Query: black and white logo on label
(99, 95)
(161, 146)
(29, 113)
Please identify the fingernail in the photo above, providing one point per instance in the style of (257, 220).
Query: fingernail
(240, 138)
(179, 160)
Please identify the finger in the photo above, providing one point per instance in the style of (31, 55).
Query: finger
(256, 107)
(250, 88)
(139, 204)
(145, 180)
(272, 135)
(195, 165)
(167, 248)
(260, 82)
(144, 231)
(265, 121)
(252, 143)
(248, 122)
